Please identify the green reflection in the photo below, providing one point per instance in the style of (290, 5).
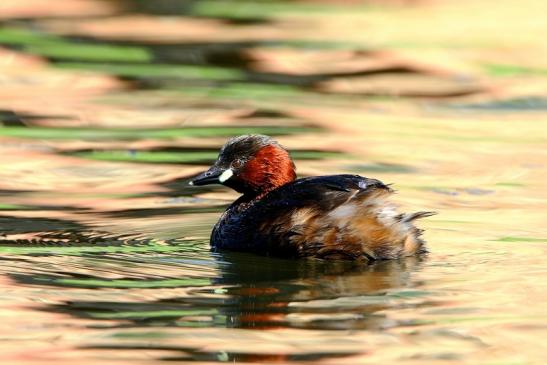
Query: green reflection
(19, 36)
(183, 157)
(149, 133)
(157, 70)
(256, 9)
(521, 239)
(90, 52)
(80, 250)
(13, 207)
(121, 283)
(513, 70)
(58, 47)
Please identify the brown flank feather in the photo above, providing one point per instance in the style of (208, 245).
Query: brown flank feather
(365, 226)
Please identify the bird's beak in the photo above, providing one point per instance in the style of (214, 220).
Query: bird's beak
(215, 175)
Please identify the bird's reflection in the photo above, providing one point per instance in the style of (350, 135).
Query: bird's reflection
(271, 293)
(248, 292)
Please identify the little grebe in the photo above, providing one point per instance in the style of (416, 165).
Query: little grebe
(328, 217)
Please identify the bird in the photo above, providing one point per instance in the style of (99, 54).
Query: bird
(331, 217)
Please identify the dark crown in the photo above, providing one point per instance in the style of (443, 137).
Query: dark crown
(246, 145)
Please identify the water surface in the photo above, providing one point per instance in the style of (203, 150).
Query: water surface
(107, 109)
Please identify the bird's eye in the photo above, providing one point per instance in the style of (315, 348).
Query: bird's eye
(237, 163)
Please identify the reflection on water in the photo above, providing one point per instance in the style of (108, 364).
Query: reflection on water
(108, 108)
(143, 288)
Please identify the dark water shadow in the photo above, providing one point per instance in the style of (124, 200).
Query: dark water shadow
(188, 8)
(11, 118)
(13, 225)
(164, 211)
(10, 192)
(523, 104)
(179, 187)
(26, 233)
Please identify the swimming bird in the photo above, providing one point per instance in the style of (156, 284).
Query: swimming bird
(346, 217)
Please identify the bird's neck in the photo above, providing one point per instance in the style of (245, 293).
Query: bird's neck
(270, 168)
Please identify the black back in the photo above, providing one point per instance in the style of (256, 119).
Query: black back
(247, 226)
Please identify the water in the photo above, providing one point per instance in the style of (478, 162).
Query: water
(109, 108)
